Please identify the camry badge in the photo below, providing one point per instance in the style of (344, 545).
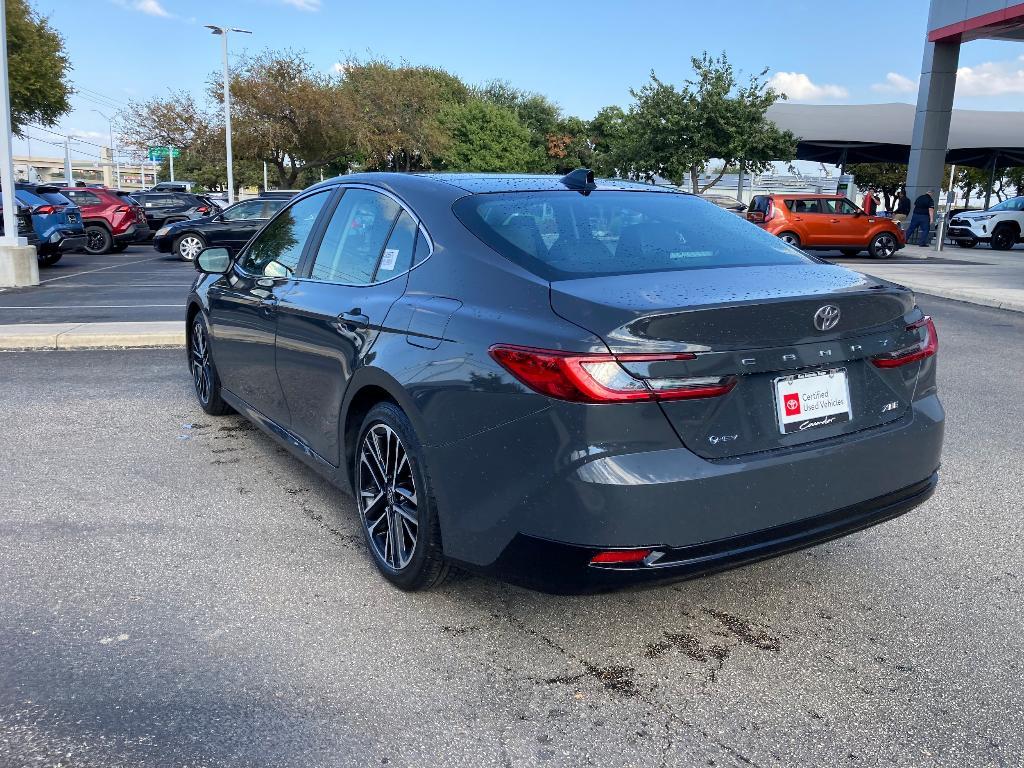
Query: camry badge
(827, 317)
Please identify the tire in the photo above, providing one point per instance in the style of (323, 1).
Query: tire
(48, 259)
(1003, 238)
(850, 252)
(790, 238)
(401, 509)
(97, 240)
(205, 380)
(119, 247)
(188, 246)
(883, 245)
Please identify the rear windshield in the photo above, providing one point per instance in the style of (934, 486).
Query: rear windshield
(55, 198)
(759, 203)
(565, 235)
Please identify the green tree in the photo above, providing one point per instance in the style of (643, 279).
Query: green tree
(888, 178)
(607, 141)
(37, 68)
(485, 137)
(175, 121)
(675, 133)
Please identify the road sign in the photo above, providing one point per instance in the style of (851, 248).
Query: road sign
(161, 153)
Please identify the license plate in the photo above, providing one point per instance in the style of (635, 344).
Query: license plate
(812, 400)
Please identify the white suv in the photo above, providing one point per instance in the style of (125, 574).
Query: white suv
(1000, 226)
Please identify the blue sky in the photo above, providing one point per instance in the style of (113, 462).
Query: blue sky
(584, 55)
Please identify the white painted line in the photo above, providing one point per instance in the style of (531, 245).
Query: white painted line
(98, 269)
(59, 307)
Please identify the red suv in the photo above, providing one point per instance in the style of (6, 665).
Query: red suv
(825, 223)
(113, 220)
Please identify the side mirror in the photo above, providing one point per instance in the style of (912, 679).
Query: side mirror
(213, 261)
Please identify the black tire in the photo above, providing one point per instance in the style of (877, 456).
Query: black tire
(1003, 238)
(48, 259)
(98, 240)
(394, 505)
(792, 238)
(205, 380)
(883, 245)
(187, 246)
(850, 252)
(119, 247)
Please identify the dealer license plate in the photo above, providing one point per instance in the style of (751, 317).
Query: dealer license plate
(812, 400)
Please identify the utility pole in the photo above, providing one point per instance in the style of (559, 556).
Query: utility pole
(18, 263)
(265, 187)
(223, 32)
(170, 157)
(68, 177)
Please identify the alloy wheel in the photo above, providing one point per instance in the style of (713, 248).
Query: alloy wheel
(790, 239)
(885, 246)
(387, 496)
(95, 240)
(189, 247)
(202, 372)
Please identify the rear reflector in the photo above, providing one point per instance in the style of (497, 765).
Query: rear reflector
(599, 378)
(926, 347)
(620, 556)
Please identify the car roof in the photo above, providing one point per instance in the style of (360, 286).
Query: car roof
(482, 183)
(807, 196)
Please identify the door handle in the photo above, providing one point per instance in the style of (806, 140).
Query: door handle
(268, 304)
(353, 320)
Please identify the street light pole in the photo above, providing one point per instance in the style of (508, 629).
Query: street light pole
(223, 32)
(113, 151)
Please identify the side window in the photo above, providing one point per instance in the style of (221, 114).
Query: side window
(84, 198)
(251, 209)
(277, 249)
(399, 249)
(846, 208)
(356, 238)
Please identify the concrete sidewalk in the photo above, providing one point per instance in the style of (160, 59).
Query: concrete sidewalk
(27, 336)
(979, 276)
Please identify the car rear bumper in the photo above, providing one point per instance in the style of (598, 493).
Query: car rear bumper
(531, 481)
(134, 234)
(62, 242)
(561, 568)
(72, 243)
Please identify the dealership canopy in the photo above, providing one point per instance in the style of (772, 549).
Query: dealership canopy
(881, 133)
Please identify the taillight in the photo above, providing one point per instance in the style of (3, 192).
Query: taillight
(45, 209)
(770, 213)
(926, 347)
(202, 209)
(600, 378)
(123, 209)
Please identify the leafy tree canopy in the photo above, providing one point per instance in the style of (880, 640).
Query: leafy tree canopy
(38, 69)
(486, 136)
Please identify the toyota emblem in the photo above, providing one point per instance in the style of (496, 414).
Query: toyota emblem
(827, 317)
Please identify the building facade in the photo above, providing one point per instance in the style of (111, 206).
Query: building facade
(951, 23)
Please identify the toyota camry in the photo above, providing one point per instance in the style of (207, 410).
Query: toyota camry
(573, 383)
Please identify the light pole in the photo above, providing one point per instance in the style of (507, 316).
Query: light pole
(113, 152)
(223, 32)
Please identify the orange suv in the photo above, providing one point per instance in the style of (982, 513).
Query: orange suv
(825, 223)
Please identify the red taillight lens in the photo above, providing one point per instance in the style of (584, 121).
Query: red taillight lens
(202, 209)
(620, 556)
(755, 216)
(926, 347)
(123, 209)
(770, 213)
(44, 209)
(599, 378)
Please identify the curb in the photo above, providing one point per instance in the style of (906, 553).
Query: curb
(66, 336)
(967, 297)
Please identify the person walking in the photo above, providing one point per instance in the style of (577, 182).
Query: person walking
(902, 207)
(922, 218)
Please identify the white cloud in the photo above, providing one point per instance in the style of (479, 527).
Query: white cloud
(895, 83)
(149, 7)
(991, 78)
(304, 5)
(87, 135)
(799, 87)
(339, 67)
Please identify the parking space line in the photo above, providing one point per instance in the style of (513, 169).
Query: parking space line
(99, 269)
(59, 307)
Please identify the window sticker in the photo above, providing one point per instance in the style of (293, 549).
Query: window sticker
(390, 257)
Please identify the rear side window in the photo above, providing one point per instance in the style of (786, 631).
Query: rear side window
(565, 235)
(355, 240)
(812, 205)
(84, 198)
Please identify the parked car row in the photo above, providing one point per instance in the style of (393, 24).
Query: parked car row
(231, 228)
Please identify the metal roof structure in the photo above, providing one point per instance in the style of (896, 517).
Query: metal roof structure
(882, 133)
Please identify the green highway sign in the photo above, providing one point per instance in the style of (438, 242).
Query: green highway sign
(161, 153)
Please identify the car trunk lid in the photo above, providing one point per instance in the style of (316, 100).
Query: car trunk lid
(757, 324)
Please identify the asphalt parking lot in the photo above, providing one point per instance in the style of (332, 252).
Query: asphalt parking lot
(180, 592)
(137, 285)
